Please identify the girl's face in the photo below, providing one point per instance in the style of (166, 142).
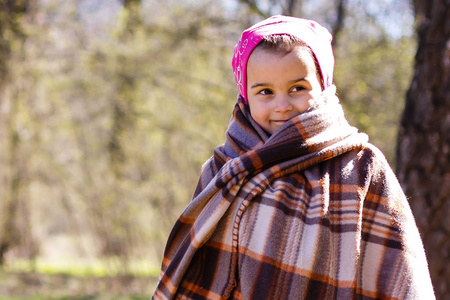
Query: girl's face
(280, 86)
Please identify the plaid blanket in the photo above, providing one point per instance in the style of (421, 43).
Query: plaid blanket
(311, 212)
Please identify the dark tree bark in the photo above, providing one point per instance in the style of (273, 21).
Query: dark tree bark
(423, 149)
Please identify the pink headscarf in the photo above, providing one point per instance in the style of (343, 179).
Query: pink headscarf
(317, 37)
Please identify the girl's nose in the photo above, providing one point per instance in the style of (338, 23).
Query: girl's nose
(283, 104)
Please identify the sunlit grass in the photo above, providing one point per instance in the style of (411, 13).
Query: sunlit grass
(44, 297)
(94, 268)
(77, 280)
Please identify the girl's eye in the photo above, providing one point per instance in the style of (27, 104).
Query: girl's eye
(298, 89)
(265, 92)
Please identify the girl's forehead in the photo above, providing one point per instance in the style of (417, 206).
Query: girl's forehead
(311, 33)
(298, 48)
(300, 56)
(264, 61)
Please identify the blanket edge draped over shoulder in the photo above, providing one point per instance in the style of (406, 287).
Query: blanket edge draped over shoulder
(241, 170)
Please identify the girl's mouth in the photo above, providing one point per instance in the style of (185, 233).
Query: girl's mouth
(279, 121)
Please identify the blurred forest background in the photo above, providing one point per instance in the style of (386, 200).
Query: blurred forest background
(109, 108)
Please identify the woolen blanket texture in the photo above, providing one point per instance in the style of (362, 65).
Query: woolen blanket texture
(311, 212)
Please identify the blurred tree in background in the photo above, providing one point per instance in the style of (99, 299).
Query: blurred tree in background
(108, 109)
(102, 102)
(423, 153)
(15, 232)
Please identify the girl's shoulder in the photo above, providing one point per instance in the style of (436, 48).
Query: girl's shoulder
(367, 156)
(366, 165)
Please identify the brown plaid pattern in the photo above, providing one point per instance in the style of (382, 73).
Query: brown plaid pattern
(312, 212)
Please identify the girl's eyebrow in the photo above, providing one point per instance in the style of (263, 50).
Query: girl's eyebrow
(258, 84)
(297, 80)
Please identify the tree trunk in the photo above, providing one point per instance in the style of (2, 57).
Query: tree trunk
(117, 242)
(10, 32)
(10, 203)
(123, 110)
(423, 149)
(341, 9)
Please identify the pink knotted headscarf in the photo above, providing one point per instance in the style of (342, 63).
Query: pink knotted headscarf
(317, 37)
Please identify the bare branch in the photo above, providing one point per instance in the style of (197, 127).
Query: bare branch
(292, 6)
(339, 24)
(254, 7)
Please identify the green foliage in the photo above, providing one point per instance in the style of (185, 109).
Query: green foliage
(372, 76)
(115, 119)
(161, 95)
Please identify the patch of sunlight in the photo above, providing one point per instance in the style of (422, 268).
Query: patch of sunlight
(87, 297)
(95, 268)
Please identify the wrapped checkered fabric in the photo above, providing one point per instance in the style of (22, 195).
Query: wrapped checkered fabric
(311, 212)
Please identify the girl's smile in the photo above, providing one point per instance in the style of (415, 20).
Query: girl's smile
(280, 86)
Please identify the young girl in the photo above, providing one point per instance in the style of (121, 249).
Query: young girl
(296, 204)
